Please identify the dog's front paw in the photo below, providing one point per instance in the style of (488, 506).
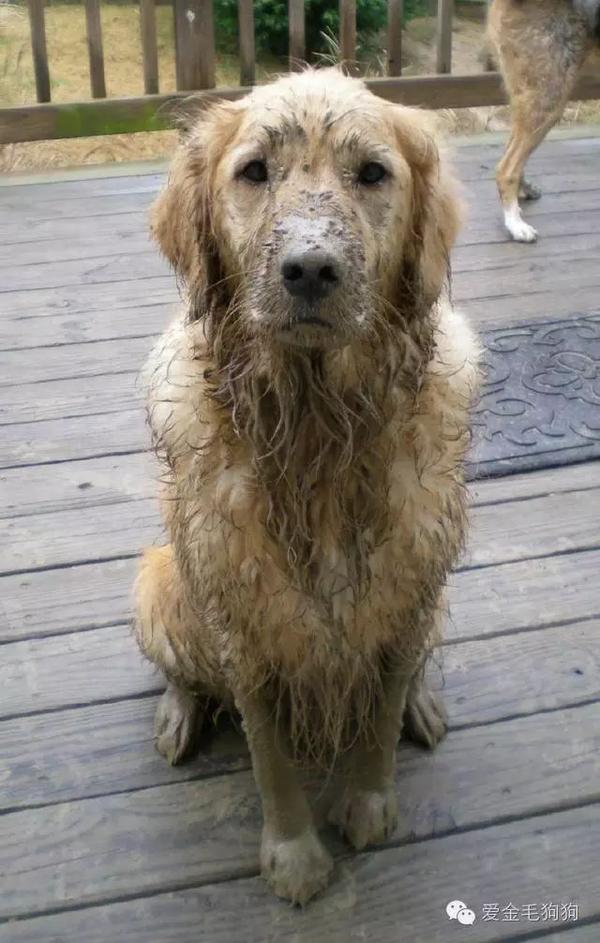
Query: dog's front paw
(295, 868)
(175, 723)
(366, 816)
(425, 718)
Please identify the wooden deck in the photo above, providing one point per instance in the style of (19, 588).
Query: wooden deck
(99, 839)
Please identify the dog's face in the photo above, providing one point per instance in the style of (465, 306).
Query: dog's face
(307, 208)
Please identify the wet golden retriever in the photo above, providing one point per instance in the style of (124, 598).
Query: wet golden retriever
(310, 406)
(541, 47)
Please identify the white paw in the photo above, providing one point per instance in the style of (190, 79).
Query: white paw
(295, 868)
(366, 817)
(175, 723)
(517, 227)
(523, 232)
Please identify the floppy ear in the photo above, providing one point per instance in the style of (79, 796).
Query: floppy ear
(436, 210)
(181, 216)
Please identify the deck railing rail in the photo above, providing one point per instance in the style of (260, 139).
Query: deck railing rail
(195, 70)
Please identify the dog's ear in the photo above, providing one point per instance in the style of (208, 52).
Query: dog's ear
(181, 216)
(436, 207)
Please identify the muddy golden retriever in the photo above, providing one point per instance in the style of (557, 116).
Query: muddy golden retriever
(541, 47)
(310, 407)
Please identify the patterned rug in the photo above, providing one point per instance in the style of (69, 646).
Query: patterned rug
(540, 402)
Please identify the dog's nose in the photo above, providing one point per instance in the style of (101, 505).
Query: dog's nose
(310, 273)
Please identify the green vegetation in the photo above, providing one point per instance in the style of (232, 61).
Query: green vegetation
(322, 20)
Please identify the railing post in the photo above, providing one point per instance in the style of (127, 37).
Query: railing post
(149, 50)
(246, 42)
(297, 32)
(444, 36)
(348, 34)
(194, 44)
(95, 51)
(37, 29)
(395, 23)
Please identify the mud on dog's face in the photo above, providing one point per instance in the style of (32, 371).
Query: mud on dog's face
(307, 209)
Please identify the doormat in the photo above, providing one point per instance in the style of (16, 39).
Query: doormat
(540, 401)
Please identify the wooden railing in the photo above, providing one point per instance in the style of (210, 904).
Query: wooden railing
(195, 70)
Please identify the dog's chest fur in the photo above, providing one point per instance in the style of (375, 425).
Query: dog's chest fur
(259, 599)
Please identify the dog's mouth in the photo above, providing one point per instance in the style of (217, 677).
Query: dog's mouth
(310, 328)
(310, 320)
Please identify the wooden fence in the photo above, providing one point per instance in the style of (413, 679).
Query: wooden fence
(195, 70)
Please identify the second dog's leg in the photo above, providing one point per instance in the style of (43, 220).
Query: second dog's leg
(540, 64)
(292, 858)
(509, 175)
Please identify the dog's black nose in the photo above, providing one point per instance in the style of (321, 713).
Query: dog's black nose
(310, 273)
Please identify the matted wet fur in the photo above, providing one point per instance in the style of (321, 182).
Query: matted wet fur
(310, 408)
(541, 47)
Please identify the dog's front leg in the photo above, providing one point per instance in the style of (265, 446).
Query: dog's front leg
(292, 858)
(366, 810)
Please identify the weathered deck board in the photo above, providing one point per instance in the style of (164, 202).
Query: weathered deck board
(501, 533)
(81, 535)
(73, 396)
(371, 894)
(218, 835)
(50, 761)
(64, 439)
(491, 601)
(115, 479)
(105, 358)
(26, 333)
(105, 664)
(70, 485)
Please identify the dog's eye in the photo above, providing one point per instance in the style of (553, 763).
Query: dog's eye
(371, 173)
(255, 171)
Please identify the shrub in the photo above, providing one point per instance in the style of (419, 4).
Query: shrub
(271, 22)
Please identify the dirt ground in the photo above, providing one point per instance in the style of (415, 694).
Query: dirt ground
(67, 53)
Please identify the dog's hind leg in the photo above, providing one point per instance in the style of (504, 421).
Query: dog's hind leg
(162, 623)
(509, 175)
(176, 722)
(425, 717)
(540, 58)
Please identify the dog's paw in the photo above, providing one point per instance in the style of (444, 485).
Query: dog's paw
(295, 868)
(175, 723)
(366, 817)
(517, 227)
(425, 718)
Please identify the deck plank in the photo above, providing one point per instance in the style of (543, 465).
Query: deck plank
(104, 664)
(104, 358)
(49, 761)
(500, 533)
(371, 892)
(491, 601)
(114, 479)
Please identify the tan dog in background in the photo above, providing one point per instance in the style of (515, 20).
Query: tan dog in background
(310, 407)
(541, 46)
